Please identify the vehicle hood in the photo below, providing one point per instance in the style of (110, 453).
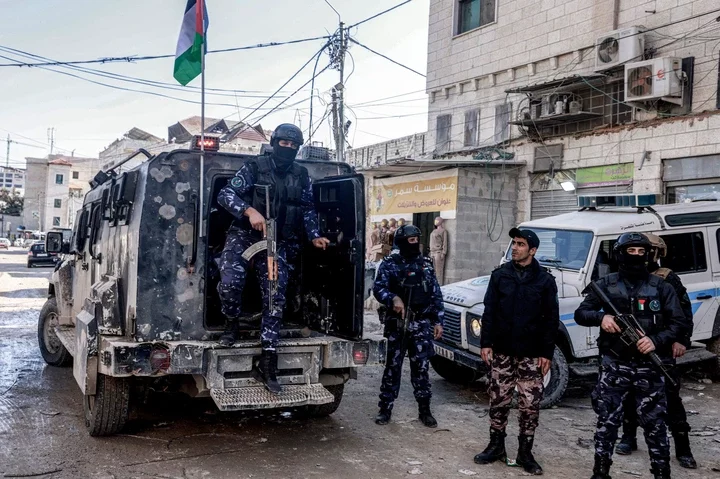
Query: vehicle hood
(466, 293)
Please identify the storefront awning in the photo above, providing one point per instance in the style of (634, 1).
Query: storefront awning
(408, 167)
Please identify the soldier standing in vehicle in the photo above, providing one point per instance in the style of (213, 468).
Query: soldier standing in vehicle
(624, 369)
(292, 206)
(407, 286)
(519, 325)
(676, 416)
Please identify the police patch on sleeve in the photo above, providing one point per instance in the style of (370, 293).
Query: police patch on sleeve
(237, 182)
(654, 305)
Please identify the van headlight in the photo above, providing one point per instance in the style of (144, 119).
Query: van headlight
(475, 327)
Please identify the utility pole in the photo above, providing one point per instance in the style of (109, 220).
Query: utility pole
(338, 92)
(7, 153)
(51, 139)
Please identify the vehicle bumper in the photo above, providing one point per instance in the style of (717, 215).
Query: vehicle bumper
(460, 356)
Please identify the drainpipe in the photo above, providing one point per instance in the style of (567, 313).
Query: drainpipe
(616, 14)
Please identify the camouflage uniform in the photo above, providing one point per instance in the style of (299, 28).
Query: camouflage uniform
(507, 373)
(427, 303)
(236, 198)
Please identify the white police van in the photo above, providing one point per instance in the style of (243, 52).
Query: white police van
(577, 248)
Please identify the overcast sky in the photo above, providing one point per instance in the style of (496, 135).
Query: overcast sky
(88, 117)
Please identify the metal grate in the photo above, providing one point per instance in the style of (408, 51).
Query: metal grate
(451, 327)
(257, 397)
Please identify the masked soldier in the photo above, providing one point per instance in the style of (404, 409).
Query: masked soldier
(519, 325)
(292, 206)
(628, 369)
(407, 287)
(676, 416)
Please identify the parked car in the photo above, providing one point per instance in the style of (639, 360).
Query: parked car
(4, 243)
(38, 256)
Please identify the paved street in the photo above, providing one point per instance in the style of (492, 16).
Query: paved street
(42, 432)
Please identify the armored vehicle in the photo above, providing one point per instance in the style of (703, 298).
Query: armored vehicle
(134, 300)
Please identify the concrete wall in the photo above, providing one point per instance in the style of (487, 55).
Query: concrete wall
(36, 179)
(411, 146)
(54, 191)
(125, 147)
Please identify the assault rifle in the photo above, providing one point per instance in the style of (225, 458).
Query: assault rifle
(268, 244)
(631, 331)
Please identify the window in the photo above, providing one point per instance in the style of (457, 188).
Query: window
(18, 176)
(561, 248)
(472, 130)
(502, 126)
(686, 253)
(56, 221)
(689, 193)
(58, 203)
(442, 142)
(474, 13)
(58, 179)
(76, 175)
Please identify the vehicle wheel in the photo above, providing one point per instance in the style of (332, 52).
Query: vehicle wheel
(556, 380)
(107, 411)
(714, 347)
(52, 350)
(29, 265)
(324, 410)
(453, 372)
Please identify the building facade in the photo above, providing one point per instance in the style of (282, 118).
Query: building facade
(55, 188)
(12, 179)
(131, 141)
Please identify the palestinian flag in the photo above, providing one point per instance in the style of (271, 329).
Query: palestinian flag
(192, 41)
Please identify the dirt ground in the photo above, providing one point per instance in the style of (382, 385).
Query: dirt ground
(42, 432)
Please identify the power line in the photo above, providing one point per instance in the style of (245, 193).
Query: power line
(379, 14)
(134, 58)
(386, 57)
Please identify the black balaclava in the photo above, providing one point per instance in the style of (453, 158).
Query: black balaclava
(284, 156)
(408, 250)
(633, 266)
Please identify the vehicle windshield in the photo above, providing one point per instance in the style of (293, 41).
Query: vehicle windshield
(561, 248)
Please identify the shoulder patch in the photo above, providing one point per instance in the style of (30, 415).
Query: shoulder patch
(238, 182)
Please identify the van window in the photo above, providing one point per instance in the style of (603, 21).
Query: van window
(561, 248)
(686, 252)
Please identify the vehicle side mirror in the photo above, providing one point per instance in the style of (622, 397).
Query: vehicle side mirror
(54, 242)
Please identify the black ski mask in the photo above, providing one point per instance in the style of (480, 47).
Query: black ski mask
(407, 249)
(284, 156)
(633, 266)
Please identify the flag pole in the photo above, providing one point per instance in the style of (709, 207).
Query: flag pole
(201, 6)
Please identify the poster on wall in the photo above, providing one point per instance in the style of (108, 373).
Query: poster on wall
(422, 193)
(606, 175)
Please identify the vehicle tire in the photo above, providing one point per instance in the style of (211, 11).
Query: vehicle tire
(107, 411)
(52, 350)
(453, 372)
(714, 347)
(556, 383)
(324, 410)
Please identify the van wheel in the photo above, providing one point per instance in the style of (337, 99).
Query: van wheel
(52, 350)
(453, 372)
(324, 410)
(107, 411)
(714, 347)
(556, 380)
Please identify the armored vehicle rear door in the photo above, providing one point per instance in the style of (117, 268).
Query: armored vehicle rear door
(333, 279)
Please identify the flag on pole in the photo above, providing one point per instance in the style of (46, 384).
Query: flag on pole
(192, 43)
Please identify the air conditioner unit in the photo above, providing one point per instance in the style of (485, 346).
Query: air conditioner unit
(655, 79)
(618, 47)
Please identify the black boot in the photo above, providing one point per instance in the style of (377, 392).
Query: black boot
(229, 337)
(682, 450)
(495, 450)
(602, 467)
(383, 416)
(266, 371)
(525, 456)
(425, 415)
(626, 446)
(660, 472)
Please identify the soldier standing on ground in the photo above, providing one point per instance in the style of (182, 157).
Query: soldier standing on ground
(625, 369)
(519, 325)
(676, 416)
(406, 284)
(292, 205)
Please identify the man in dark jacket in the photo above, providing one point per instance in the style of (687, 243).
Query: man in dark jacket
(519, 325)
(676, 416)
(627, 368)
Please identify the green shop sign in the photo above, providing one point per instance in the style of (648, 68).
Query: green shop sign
(618, 174)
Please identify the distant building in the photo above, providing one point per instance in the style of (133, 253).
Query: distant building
(235, 137)
(130, 142)
(54, 190)
(12, 179)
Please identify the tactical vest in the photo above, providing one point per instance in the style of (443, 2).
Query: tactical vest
(412, 282)
(644, 301)
(285, 196)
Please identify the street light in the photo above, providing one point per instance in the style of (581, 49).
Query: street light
(568, 185)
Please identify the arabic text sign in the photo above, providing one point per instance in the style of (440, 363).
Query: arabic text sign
(608, 175)
(420, 196)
